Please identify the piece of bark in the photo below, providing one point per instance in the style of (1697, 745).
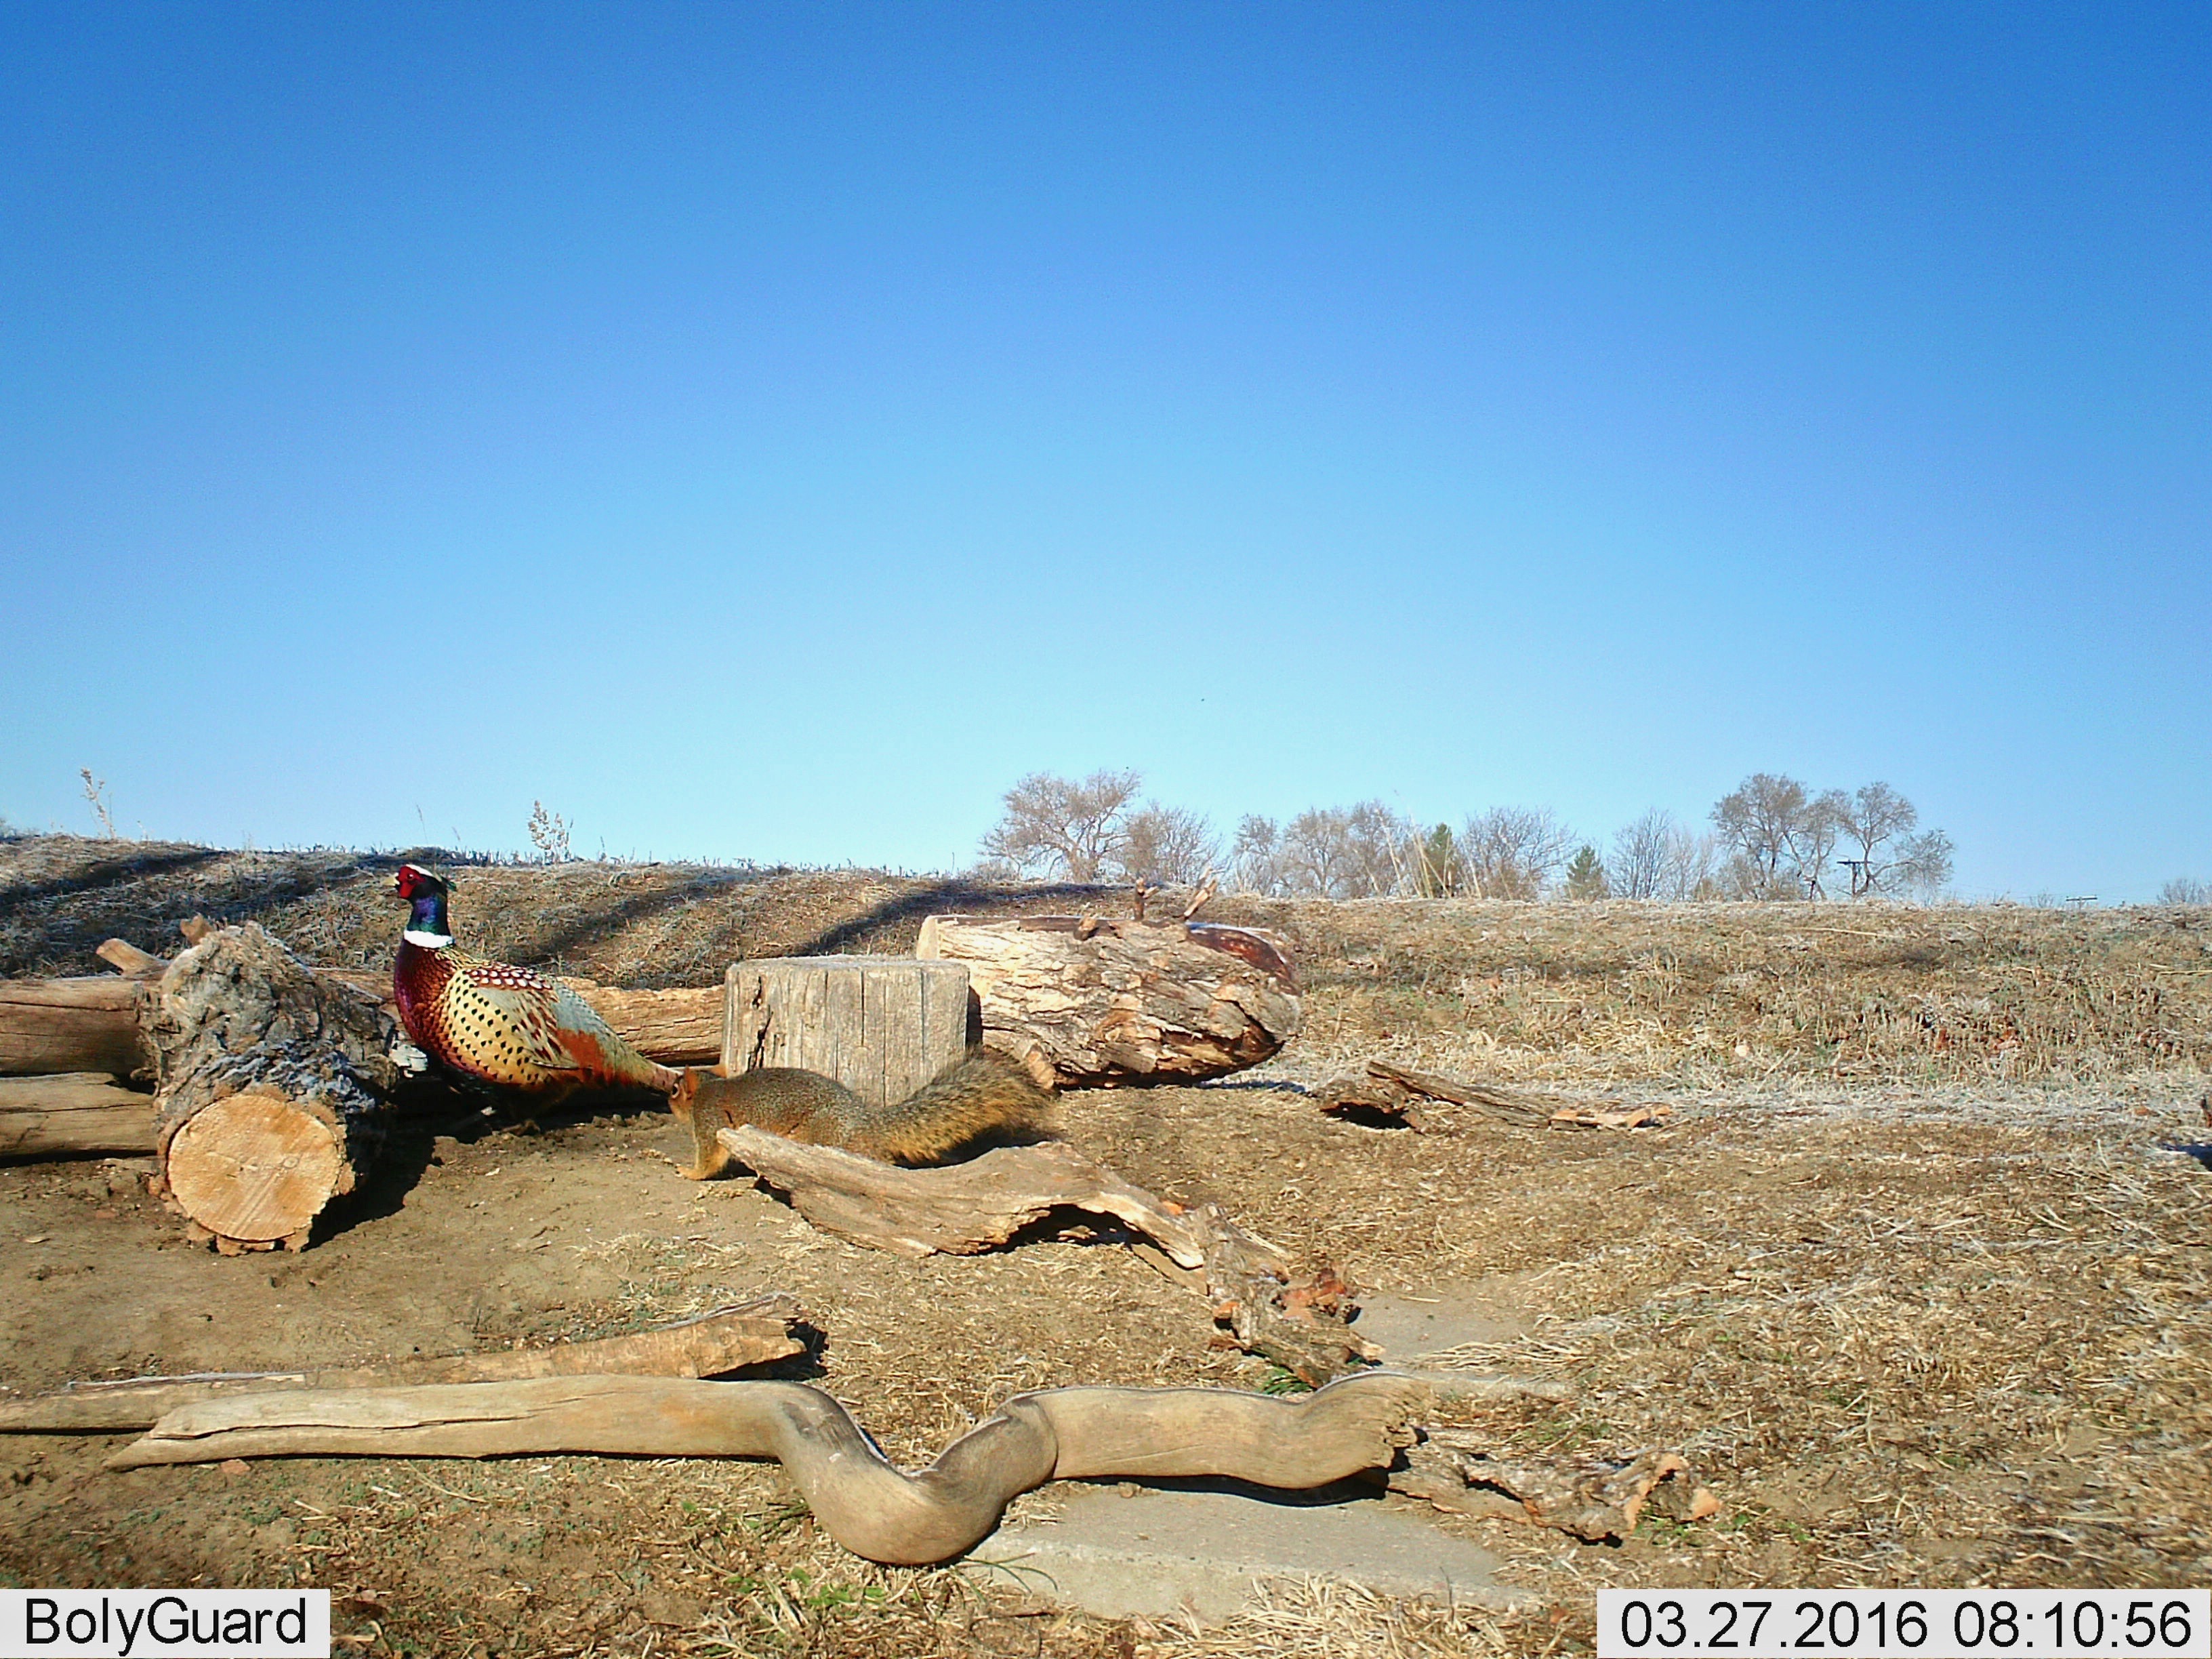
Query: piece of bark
(1489, 1099)
(1592, 1498)
(729, 1338)
(1118, 1002)
(883, 1026)
(965, 1209)
(1365, 1098)
(76, 1114)
(870, 1507)
(273, 1088)
(49, 1026)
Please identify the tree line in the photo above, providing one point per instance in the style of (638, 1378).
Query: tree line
(1770, 838)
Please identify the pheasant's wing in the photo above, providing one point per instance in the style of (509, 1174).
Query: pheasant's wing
(507, 1021)
(545, 1035)
(603, 1058)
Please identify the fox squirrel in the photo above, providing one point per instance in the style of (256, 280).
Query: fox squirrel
(985, 1092)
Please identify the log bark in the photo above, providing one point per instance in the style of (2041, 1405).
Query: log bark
(273, 1089)
(883, 1026)
(729, 1338)
(53, 1025)
(1120, 1002)
(870, 1507)
(76, 1114)
(1300, 1323)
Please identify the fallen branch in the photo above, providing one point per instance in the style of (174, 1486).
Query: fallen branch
(729, 1338)
(1400, 1095)
(868, 1505)
(969, 1208)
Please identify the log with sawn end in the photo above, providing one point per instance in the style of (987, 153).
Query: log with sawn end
(275, 1088)
(76, 1114)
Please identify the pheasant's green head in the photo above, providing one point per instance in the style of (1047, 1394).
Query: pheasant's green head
(426, 899)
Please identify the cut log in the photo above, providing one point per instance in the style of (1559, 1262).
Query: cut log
(1301, 1324)
(1115, 1002)
(729, 1338)
(77, 1115)
(870, 1507)
(274, 1081)
(883, 1026)
(53, 1025)
(674, 1028)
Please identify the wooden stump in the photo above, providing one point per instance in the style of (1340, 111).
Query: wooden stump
(80, 1115)
(883, 1026)
(1113, 1002)
(274, 1081)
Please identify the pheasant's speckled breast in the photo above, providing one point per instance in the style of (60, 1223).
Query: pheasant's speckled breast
(514, 1027)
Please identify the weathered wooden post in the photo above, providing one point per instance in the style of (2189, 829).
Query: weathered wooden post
(883, 1026)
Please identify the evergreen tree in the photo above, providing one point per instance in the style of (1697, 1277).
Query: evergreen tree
(1586, 875)
(1441, 876)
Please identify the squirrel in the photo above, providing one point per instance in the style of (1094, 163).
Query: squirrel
(988, 1092)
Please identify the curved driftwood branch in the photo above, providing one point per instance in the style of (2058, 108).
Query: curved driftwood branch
(866, 1505)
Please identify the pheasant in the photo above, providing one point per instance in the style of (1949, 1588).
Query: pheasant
(498, 1023)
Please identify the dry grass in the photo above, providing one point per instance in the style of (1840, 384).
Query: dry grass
(1910, 1279)
(1699, 995)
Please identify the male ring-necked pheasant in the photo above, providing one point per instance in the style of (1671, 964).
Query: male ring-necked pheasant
(499, 1023)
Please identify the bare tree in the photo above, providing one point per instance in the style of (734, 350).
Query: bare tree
(1385, 849)
(1877, 816)
(1366, 851)
(1923, 864)
(1691, 870)
(1163, 844)
(1514, 851)
(1056, 825)
(1256, 859)
(1815, 842)
(1760, 822)
(2186, 889)
(1639, 864)
(1316, 860)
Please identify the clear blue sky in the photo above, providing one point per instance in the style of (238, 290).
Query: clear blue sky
(768, 432)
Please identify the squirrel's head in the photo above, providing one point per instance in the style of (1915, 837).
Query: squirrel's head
(687, 1091)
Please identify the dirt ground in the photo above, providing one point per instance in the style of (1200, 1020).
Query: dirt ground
(1922, 1300)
